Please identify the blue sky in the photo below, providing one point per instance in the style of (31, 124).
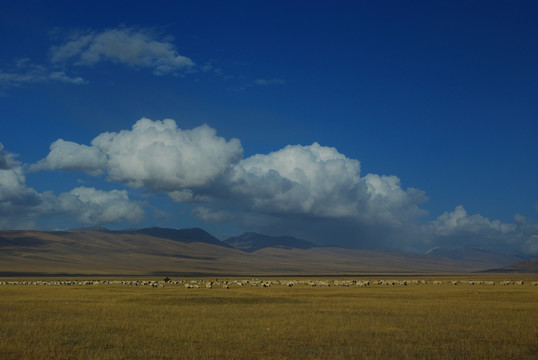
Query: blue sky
(365, 124)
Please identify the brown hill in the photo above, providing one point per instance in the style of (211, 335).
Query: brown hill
(251, 242)
(194, 251)
(479, 257)
(523, 266)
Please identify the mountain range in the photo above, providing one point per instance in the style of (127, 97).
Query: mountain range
(251, 242)
(151, 251)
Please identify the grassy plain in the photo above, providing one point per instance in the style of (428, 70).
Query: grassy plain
(376, 322)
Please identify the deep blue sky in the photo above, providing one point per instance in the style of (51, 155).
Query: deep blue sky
(441, 95)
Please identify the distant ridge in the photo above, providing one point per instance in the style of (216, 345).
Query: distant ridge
(194, 251)
(191, 235)
(473, 255)
(251, 242)
(523, 266)
(89, 228)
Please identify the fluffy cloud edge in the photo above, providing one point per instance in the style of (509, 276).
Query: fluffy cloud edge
(92, 206)
(67, 155)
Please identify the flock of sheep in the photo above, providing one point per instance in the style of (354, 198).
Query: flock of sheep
(226, 284)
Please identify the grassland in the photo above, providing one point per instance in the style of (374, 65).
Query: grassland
(279, 322)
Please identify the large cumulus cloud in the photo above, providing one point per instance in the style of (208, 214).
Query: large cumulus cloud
(13, 189)
(153, 154)
(311, 191)
(92, 206)
(23, 207)
(72, 156)
(457, 228)
(159, 155)
(311, 179)
(458, 222)
(319, 181)
(198, 165)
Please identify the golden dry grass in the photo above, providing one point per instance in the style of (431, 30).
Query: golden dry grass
(376, 322)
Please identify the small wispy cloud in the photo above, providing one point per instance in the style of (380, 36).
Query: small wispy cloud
(128, 46)
(263, 83)
(269, 82)
(24, 72)
(137, 48)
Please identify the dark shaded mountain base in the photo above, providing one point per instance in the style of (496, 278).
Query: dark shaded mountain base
(194, 252)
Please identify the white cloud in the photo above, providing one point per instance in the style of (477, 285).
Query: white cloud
(299, 179)
(23, 207)
(314, 181)
(526, 235)
(129, 46)
(388, 203)
(68, 155)
(27, 73)
(62, 77)
(210, 215)
(18, 203)
(187, 196)
(459, 222)
(457, 228)
(263, 83)
(92, 206)
(310, 191)
(319, 181)
(154, 154)
(6, 159)
(13, 188)
(269, 82)
(159, 155)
